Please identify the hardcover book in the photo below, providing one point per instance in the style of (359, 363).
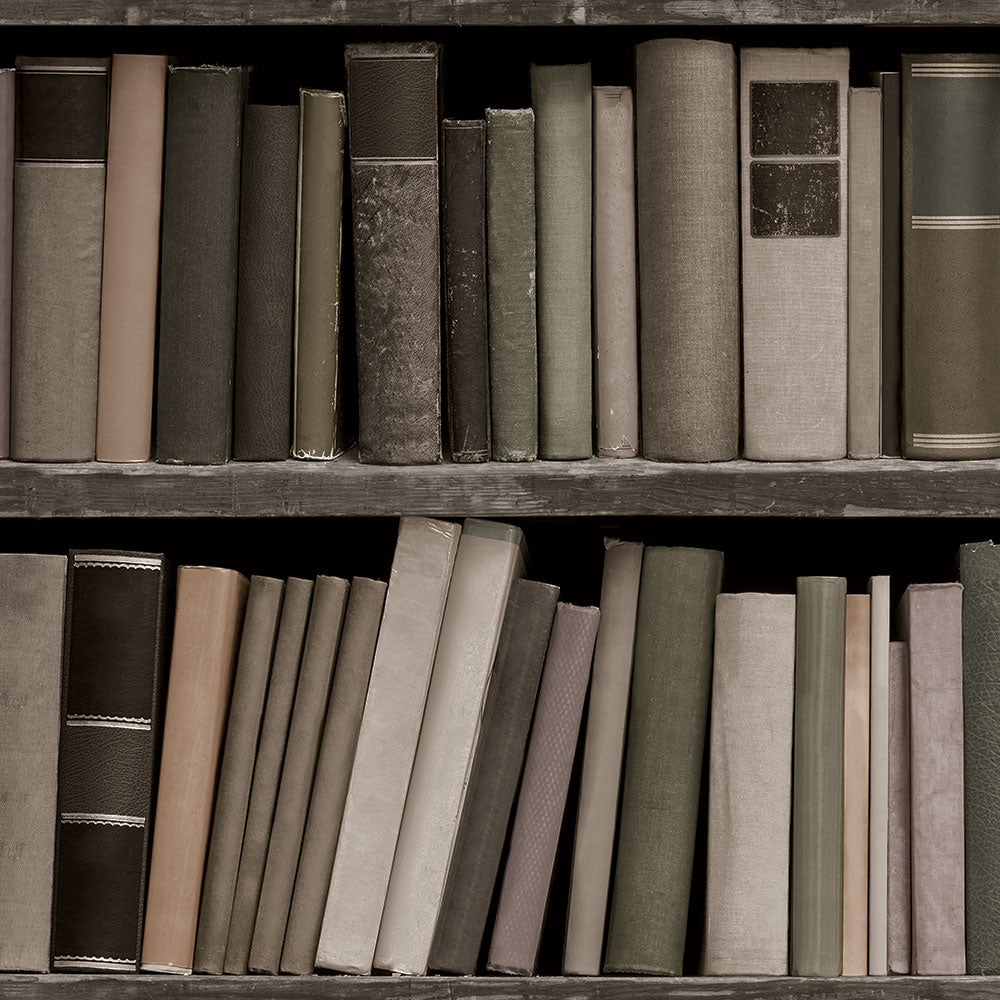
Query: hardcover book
(899, 897)
(878, 783)
(7, 91)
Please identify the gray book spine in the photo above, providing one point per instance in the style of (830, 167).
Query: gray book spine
(899, 900)
(562, 101)
(7, 112)
(686, 145)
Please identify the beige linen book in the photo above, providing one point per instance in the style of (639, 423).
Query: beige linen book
(878, 780)
(898, 896)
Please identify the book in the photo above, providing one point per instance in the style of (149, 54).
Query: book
(490, 555)
(265, 286)
(494, 777)
(199, 264)
(929, 620)
(207, 623)
(864, 273)
(815, 945)
(59, 174)
(562, 102)
(387, 742)
(7, 91)
(600, 781)
(463, 222)
(668, 715)
(322, 411)
(333, 771)
(899, 893)
(131, 264)
(793, 110)
(510, 272)
(113, 679)
(950, 230)
(32, 596)
(534, 838)
(750, 786)
(616, 360)
(392, 109)
(253, 671)
(689, 281)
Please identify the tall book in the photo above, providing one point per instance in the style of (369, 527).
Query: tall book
(207, 623)
(899, 895)
(510, 253)
(686, 156)
(793, 110)
(199, 264)
(387, 742)
(59, 174)
(668, 715)
(392, 108)
(600, 782)
(929, 620)
(494, 777)
(131, 267)
(534, 838)
(322, 424)
(750, 786)
(32, 596)
(114, 673)
(7, 91)
(265, 296)
(562, 101)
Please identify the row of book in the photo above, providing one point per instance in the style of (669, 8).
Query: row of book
(799, 243)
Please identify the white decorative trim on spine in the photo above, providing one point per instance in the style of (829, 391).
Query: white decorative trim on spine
(93, 962)
(957, 442)
(955, 221)
(115, 562)
(103, 819)
(110, 721)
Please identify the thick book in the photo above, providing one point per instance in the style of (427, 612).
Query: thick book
(387, 742)
(131, 268)
(750, 786)
(323, 426)
(463, 224)
(207, 623)
(604, 742)
(265, 297)
(793, 112)
(689, 279)
(668, 715)
(899, 888)
(951, 234)
(490, 555)
(561, 99)
(7, 91)
(253, 671)
(199, 264)
(333, 771)
(510, 253)
(59, 174)
(32, 600)
(392, 108)
(494, 777)
(267, 772)
(527, 876)
(114, 672)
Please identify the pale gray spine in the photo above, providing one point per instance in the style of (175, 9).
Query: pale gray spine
(899, 894)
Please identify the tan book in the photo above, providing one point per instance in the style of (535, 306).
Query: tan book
(878, 780)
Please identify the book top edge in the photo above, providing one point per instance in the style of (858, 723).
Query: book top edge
(62, 64)
(391, 50)
(496, 530)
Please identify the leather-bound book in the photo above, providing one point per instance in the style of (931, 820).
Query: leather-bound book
(32, 596)
(463, 222)
(387, 742)
(199, 264)
(878, 781)
(392, 108)
(750, 786)
(668, 716)
(562, 101)
(265, 300)
(61, 149)
(207, 623)
(534, 838)
(510, 252)
(689, 283)
(253, 670)
(333, 771)
(323, 425)
(114, 673)
(131, 270)
(899, 888)
(493, 780)
(7, 90)
(793, 112)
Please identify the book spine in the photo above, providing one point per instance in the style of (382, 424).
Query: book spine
(131, 266)
(900, 896)
(686, 155)
(878, 785)
(7, 91)
(199, 264)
